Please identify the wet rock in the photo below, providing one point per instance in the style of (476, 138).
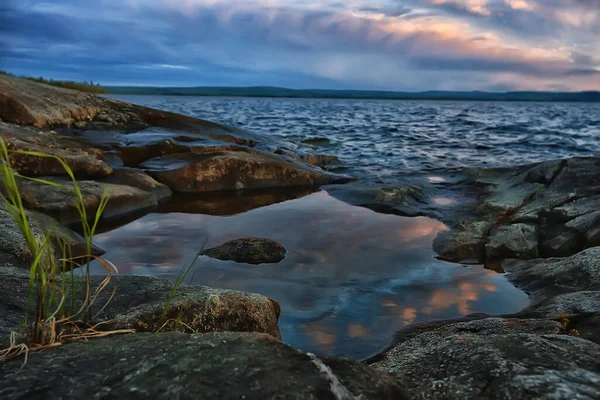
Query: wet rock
(57, 201)
(139, 179)
(544, 278)
(496, 358)
(200, 366)
(193, 172)
(249, 251)
(513, 241)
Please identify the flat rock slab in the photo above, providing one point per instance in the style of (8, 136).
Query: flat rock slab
(234, 170)
(249, 251)
(200, 366)
(496, 358)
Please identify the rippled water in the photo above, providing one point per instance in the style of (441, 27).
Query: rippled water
(353, 277)
(383, 136)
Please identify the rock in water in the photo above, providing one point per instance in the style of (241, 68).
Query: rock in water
(249, 251)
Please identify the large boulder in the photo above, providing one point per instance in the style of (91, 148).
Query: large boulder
(248, 250)
(496, 358)
(228, 170)
(200, 366)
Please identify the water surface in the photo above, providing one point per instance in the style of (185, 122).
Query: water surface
(350, 279)
(385, 137)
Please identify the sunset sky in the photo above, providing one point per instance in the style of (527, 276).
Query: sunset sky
(493, 45)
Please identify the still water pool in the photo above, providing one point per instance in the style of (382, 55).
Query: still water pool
(350, 279)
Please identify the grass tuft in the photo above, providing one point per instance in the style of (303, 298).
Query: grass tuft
(53, 314)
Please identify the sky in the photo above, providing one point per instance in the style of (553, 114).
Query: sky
(413, 45)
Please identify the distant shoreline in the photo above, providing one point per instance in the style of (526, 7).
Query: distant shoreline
(276, 92)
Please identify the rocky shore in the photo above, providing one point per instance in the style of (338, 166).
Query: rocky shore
(540, 223)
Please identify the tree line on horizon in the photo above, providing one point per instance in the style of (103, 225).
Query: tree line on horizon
(88, 87)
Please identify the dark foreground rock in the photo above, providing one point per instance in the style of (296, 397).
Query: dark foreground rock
(249, 251)
(496, 358)
(199, 366)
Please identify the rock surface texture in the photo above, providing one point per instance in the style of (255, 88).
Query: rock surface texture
(199, 366)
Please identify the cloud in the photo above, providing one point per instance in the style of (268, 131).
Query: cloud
(410, 45)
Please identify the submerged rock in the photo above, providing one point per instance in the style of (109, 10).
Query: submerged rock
(200, 366)
(249, 251)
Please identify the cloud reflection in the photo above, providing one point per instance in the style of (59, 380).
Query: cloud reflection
(350, 279)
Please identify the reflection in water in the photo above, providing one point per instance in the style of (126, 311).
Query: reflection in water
(350, 279)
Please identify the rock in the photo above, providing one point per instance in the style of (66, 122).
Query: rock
(199, 366)
(84, 161)
(249, 251)
(465, 241)
(139, 179)
(14, 250)
(57, 201)
(563, 244)
(496, 358)
(544, 278)
(545, 172)
(513, 241)
(194, 172)
(142, 303)
(135, 148)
